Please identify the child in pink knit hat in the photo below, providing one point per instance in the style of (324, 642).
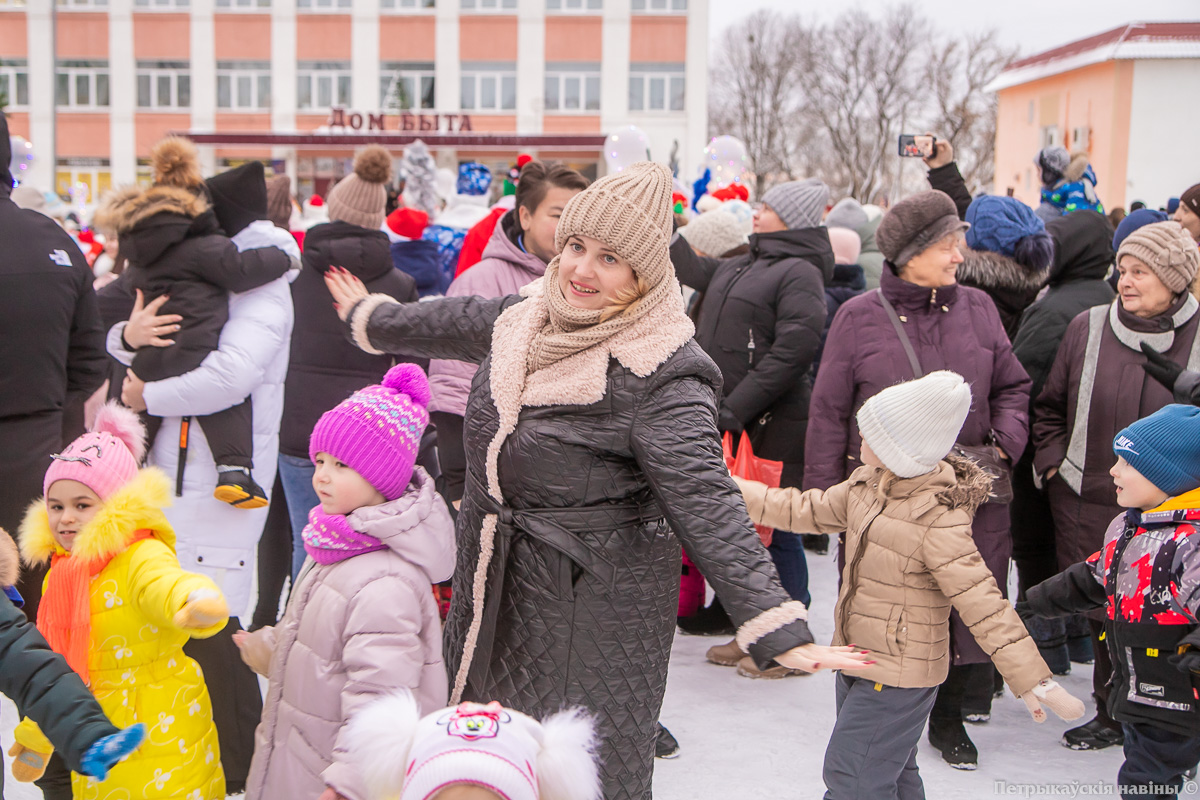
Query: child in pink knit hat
(361, 619)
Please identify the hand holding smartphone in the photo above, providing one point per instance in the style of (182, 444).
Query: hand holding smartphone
(917, 146)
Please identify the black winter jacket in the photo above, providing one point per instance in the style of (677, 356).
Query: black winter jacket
(175, 247)
(1083, 255)
(761, 322)
(583, 586)
(848, 281)
(324, 369)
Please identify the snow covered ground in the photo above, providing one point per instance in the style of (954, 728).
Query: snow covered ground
(766, 739)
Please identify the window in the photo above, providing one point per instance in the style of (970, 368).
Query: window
(81, 84)
(489, 87)
(6, 5)
(574, 6)
(242, 5)
(405, 86)
(488, 5)
(405, 5)
(144, 5)
(1048, 136)
(324, 5)
(575, 89)
(657, 87)
(82, 4)
(659, 6)
(14, 83)
(322, 84)
(244, 85)
(164, 84)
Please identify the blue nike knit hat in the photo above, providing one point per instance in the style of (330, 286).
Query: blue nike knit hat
(1165, 448)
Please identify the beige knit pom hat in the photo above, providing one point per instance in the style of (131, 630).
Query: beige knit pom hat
(630, 211)
(360, 198)
(913, 425)
(1167, 249)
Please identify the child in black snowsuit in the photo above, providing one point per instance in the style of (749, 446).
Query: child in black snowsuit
(1147, 577)
(177, 244)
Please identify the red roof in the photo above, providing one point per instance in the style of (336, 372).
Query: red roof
(1133, 32)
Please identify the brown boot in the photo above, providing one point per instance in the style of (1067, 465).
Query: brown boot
(748, 669)
(727, 655)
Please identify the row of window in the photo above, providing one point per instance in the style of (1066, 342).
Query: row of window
(564, 6)
(246, 86)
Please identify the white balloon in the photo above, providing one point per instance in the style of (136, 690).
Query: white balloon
(725, 158)
(625, 146)
(22, 157)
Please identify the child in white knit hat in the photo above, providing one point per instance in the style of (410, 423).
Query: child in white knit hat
(910, 558)
(473, 752)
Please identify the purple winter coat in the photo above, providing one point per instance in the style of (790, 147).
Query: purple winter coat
(352, 631)
(955, 328)
(503, 270)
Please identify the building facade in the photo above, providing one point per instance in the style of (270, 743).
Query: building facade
(93, 84)
(1126, 96)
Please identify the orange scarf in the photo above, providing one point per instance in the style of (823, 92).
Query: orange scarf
(64, 614)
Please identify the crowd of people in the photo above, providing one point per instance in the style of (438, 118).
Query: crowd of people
(465, 469)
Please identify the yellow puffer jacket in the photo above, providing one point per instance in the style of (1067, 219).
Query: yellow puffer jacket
(138, 670)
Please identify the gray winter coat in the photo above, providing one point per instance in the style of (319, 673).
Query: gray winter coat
(582, 585)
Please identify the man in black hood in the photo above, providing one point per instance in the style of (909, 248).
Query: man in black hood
(53, 355)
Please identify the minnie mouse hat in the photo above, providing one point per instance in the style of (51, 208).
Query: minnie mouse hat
(402, 755)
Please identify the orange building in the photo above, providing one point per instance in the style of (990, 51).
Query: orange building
(1128, 96)
(94, 83)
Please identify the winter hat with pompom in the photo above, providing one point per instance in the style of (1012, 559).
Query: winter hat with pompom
(404, 756)
(714, 233)
(360, 198)
(1167, 249)
(377, 430)
(174, 161)
(912, 426)
(106, 457)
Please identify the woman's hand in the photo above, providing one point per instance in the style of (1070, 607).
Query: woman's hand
(132, 391)
(330, 794)
(812, 657)
(1050, 473)
(1001, 453)
(146, 325)
(943, 153)
(346, 290)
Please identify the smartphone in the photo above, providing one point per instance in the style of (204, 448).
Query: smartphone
(917, 146)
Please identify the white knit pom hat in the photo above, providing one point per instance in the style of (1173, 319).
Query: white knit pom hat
(912, 426)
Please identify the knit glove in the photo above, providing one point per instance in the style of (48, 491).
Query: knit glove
(1054, 697)
(1161, 368)
(108, 750)
(204, 608)
(28, 765)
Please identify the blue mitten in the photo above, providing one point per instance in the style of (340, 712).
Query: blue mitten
(106, 752)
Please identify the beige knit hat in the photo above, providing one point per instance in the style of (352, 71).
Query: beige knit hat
(630, 211)
(714, 233)
(1167, 250)
(913, 425)
(360, 198)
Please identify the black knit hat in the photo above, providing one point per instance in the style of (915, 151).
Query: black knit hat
(915, 223)
(239, 196)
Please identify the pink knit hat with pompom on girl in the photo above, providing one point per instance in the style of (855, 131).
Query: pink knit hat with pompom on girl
(106, 457)
(377, 430)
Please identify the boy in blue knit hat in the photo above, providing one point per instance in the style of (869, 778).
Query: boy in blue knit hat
(1147, 576)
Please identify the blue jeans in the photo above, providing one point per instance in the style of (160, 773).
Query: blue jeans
(296, 474)
(788, 554)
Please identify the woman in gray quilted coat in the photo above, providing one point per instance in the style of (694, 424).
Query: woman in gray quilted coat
(591, 445)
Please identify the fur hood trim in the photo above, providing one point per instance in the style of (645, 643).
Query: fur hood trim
(970, 488)
(10, 560)
(989, 270)
(136, 506)
(1075, 169)
(973, 488)
(127, 207)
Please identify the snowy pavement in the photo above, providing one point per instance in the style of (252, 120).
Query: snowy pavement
(742, 738)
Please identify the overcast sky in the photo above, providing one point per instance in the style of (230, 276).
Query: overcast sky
(1031, 25)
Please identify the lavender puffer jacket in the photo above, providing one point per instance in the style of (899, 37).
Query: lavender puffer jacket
(503, 270)
(352, 631)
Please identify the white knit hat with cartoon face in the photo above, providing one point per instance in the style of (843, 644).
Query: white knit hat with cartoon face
(912, 426)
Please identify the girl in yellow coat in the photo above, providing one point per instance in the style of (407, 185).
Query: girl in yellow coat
(119, 608)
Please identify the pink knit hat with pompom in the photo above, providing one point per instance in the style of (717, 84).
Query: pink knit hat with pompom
(105, 458)
(377, 430)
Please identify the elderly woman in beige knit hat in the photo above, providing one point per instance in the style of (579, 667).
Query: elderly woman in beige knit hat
(592, 450)
(1096, 388)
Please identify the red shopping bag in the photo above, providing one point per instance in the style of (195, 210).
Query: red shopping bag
(749, 466)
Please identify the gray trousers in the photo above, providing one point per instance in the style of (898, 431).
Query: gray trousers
(872, 754)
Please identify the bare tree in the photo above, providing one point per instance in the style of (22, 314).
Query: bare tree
(754, 91)
(957, 71)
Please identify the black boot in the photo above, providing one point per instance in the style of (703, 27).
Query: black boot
(1095, 735)
(951, 740)
(237, 487)
(665, 745)
(709, 621)
(815, 542)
